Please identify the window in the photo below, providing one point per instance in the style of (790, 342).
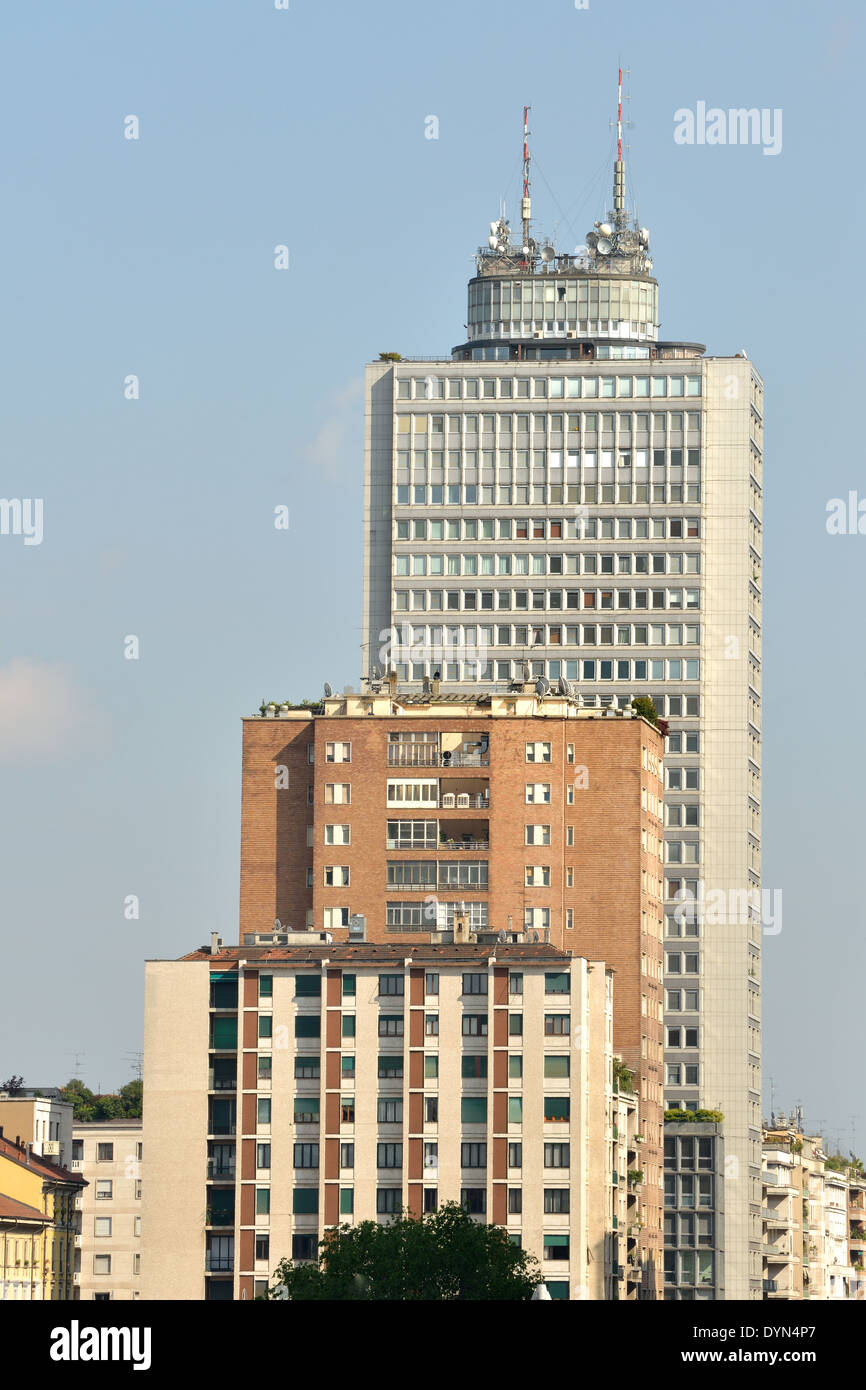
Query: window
(347, 1026)
(104, 1189)
(537, 834)
(556, 982)
(515, 1201)
(78, 1150)
(266, 1026)
(515, 1155)
(557, 1025)
(347, 1155)
(431, 1065)
(263, 1201)
(349, 984)
(389, 1155)
(304, 1245)
(338, 793)
(338, 752)
(473, 1067)
(347, 1201)
(474, 1199)
(102, 1264)
(537, 876)
(347, 1110)
(347, 1065)
(263, 1247)
(306, 1110)
(390, 1025)
(474, 1025)
(306, 1068)
(305, 1027)
(431, 1025)
(337, 876)
(557, 1155)
(305, 1156)
(557, 1065)
(538, 752)
(557, 1109)
(538, 793)
(431, 1199)
(391, 984)
(473, 1155)
(389, 1112)
(102, 1226)
(388, 1200)
(515, 1025)
(338, 835)
(473, 1110)
(556, 1199)
(515, 1067)
(105, 1153)
(390, 1066)
(515, 1110)
(555, 1247)
(431, 1110)
(515, 983)
(475, 984)
(431, 983)
(305, 1201)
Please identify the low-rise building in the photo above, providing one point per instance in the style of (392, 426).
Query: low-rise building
(21, 1250)
(38, 1117)
(108, 1240)
(42, 1186)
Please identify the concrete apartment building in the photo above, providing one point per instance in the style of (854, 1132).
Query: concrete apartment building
(288, 1088)
(108, 1217)
(531, 814)
(38, 1117)
(814, 1218)
(571, 497)
(694, 1201)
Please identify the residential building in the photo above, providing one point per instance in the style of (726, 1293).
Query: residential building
(41, 1119)
(39, 1185)
(694, 1197)
(534, 815)
(22, 1249)
(568, 496)
(783, 1218)
(108, 1240)
(288, 1088)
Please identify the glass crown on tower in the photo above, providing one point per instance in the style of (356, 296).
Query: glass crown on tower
(600, 297)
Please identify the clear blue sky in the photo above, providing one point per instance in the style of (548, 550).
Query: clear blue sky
(155, 257)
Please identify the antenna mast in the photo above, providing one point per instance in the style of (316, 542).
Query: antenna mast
(525, 205)
(619, 168)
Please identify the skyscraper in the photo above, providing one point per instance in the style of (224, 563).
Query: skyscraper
(572, 498)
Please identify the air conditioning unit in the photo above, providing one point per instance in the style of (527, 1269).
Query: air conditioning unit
(570, 333)
(463, 799)
(538, 334)
(448, 800)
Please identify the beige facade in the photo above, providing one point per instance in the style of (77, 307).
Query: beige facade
(43, 1122)
(108, 1241)
(291, 1088)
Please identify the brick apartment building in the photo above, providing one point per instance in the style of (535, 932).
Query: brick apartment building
(532, 813)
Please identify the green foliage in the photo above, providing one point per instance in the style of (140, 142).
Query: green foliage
(442, 1255)
(15, 1085)
(390, 357)
(642, 704)
(852, 1165)
(694, 1117)
(126, 1104)
(623, 1078)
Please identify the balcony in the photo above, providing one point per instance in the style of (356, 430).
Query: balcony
(465, 801)
(217, 1170)
(218, 1264)
(467, 754)
(219, 1216)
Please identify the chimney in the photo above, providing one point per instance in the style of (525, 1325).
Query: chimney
(215, 943)
(434, 685)
(392, 682)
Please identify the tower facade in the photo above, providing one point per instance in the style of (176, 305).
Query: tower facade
(571, 499)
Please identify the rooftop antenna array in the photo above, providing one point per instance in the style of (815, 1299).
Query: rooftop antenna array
(525, 201)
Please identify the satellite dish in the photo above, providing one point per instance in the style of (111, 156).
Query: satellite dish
(644, 236)
(328, 691)
(491, 242)
(493, 226)
(562, 686)
(649, 264)
(500, 935)
(524, 670)
(591, 240)
(547, 252)
(542, 685)
(278, 926)
(535, 936)
(605, 229)
(604, 246)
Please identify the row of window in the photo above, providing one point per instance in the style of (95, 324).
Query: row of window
(104, 1151)
(465, 639)
(429, 388)
(524, 600)
(536, 494)
(102, 1264)
(662, 562)
(549, 528)
(104, 1189)
(103, 1226)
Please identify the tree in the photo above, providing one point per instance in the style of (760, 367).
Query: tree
(442, 1255)
(14, 1085)
(130, 1098)
(82, 1099)
(642, 704)
(88, 1107)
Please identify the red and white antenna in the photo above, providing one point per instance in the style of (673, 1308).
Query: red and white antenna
(619, 167)
(525, 204)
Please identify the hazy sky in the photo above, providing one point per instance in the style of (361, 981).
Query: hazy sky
(155, 257)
